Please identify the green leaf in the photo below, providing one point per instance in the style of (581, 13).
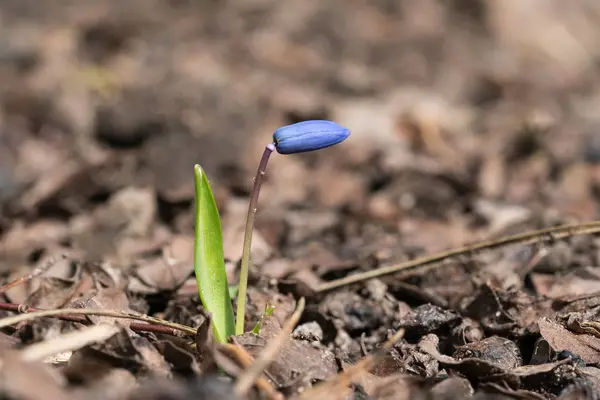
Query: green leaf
(267, 313)
(269, 310)
(233, 291)
(256, 329)
(209, 262)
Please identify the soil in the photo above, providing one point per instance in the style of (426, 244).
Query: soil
(469, 121)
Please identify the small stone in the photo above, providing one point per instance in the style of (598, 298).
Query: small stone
(376, 288)
(309, 331)
(345, 343)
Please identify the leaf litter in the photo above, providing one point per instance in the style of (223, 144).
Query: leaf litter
(447, 149)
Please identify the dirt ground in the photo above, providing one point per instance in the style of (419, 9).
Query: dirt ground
(469, 121)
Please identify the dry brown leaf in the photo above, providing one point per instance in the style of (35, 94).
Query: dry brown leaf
(582, 281)
(393, 387)
(30, 380)
(168, 271)
(482, 370)
(559, 338)
(116, 384)
(298, 361)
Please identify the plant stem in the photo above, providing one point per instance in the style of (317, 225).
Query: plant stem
(241, 303)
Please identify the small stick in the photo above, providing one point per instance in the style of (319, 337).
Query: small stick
(34, 273)
(247, 379)
(252, 208)
(539, 236)
(337, 383)
(64, 312)
(134, 326)
(246, 360)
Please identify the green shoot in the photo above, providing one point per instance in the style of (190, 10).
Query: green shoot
(208, 251)
(267, 313)
(209, 262)
(233, 291)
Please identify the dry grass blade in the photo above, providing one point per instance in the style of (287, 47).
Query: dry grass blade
(68, 342)
(539, 236)
(247, 379)
(334, 387)
(93, 311)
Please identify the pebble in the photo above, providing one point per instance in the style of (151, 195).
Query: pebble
(376, 288)
(311, 330)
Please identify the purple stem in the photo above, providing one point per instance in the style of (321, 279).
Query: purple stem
(241, 304)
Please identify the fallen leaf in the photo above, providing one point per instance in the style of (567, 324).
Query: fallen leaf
(494, 349)
(392, 387)
(298, 361)
(168, 271)
(559, 338)
(582, 281)
(427, 318)
(478, 370)
(116, 384)
(30, 380)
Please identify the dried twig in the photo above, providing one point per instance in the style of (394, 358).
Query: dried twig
(336, 384)
(539, 236)
(247, 379)
(69, 341)
(71, 314)
(34, 273)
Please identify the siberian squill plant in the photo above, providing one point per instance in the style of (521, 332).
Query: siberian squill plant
(209, 263)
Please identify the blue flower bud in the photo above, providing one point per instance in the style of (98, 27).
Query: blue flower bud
(308, 136)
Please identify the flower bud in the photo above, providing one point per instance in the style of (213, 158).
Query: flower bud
(308, 136)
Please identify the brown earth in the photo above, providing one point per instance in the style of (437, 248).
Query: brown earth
(469, 120)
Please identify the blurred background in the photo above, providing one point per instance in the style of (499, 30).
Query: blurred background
(469, 120)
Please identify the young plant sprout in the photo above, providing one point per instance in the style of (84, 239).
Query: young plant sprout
(209, 264)
(209, 261)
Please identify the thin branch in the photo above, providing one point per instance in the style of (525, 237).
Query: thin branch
(539, 236)
(78, 315)
(33, 274)
(247, 379)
